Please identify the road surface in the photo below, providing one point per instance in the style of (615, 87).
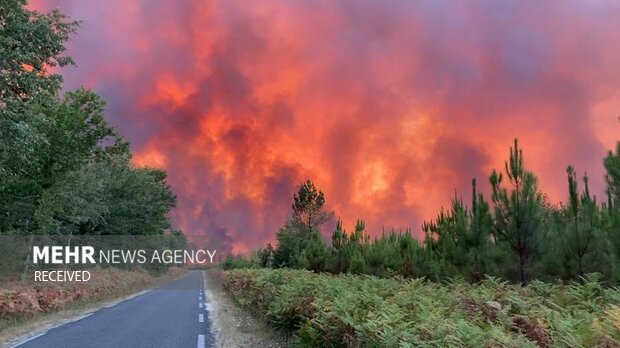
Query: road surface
(172, 315)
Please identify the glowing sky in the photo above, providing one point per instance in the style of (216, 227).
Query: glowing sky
(388, 106)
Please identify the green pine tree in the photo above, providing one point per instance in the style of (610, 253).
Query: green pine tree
(518, 210)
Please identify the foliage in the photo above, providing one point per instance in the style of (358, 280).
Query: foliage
(363, 311)
(23, 299)
(308, 213)
(63, 169)
(582, 244)
(518, 236)
(611, 211)
(234, 262)
(518, 211)
(459, 239)
(30, 44)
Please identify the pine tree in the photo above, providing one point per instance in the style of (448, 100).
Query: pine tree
(518, 211)
(612, 166)
(315, 253)
(459, 238)
(582, 222)
(308, 212)
(339, 244)
(478, 236)
(339, 237)
(266, 256)
(447, 237)
(288, 249)
(612, 213)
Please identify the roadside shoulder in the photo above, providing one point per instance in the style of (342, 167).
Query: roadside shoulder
(232, 326)
(28, 328)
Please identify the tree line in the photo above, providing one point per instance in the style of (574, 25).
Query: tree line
(516, 234)
(63, 169)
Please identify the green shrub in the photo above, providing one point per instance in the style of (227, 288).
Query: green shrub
(326, 310)
(233, 262)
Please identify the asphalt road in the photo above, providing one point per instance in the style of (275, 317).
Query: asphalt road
(173, 315)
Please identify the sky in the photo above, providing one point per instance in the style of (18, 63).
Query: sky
(389, 107)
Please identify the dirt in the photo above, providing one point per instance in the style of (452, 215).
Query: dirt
(233, 326)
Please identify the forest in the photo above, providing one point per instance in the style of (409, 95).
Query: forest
(64, 170)
(512, 270)
(516, 234)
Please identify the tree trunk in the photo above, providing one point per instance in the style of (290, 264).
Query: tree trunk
(522, 267)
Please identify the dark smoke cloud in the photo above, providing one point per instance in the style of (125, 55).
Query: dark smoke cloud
(388, 106)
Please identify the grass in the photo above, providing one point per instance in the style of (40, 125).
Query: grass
(325, 310)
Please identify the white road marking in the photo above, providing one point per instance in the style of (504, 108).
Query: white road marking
(200, 305)
(43, 333)
(28, 339)
(85, 316)
(201, 341)
(201, 318)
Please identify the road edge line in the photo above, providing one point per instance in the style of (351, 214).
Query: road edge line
(38, 333)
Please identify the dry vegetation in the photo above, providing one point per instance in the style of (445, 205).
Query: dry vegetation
(21, 300)
(364, 311)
